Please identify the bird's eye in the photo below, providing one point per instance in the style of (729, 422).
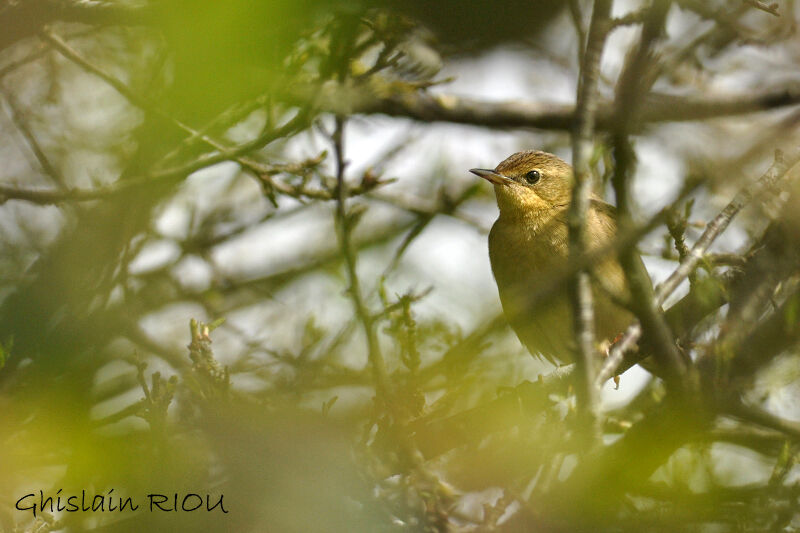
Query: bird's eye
(532, 176)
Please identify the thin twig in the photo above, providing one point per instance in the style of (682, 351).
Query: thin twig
(344, 231)
(721, 222)
(634, 17)
(735, 407)
(229, 116)
(40, 51)
(676, 225)
(617, 353)
(262, 171)
(401, 303)
(772, 9)
(45, 197)
(33, 143)
(446, 206)
(70, 53)
(344, 225)
(580, 31)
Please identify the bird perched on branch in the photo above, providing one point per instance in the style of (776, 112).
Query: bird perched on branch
(528, 249)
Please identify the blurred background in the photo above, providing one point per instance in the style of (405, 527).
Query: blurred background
(241, 255)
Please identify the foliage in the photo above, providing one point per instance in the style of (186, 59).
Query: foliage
(289, 180)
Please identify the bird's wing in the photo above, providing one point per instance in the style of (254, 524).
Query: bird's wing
(608, 216)
(604, 209)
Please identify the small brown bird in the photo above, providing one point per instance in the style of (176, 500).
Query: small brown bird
(528, 245)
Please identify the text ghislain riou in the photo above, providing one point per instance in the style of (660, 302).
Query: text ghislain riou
(109, 502)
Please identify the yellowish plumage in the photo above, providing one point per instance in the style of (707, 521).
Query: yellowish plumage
(529, 243)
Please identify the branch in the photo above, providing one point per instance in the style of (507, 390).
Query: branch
(579, 287)
(638, 76)
(447, 207)
(772, 9)
(262, 172)
(580, 31)
(634, 17)
(774, 335)
(70, 53)
(761, 417)
(625, 464)
(33, 143)
(11, 66)
(53, 197)
(44, 197)
(427, 107)
(409, 452)
(344, 223)
(26, 18)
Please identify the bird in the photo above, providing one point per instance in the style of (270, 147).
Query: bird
(529, 247)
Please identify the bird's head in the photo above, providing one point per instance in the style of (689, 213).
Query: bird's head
(530, 183)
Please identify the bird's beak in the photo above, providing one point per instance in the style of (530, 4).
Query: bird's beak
(491, 176)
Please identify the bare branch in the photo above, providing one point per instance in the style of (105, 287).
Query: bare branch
(427, 107)
(636, 80)
(53, 197)
(580, 287)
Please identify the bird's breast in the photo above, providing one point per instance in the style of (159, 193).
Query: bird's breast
(524, 254)
(525, 262)
(528, 263)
